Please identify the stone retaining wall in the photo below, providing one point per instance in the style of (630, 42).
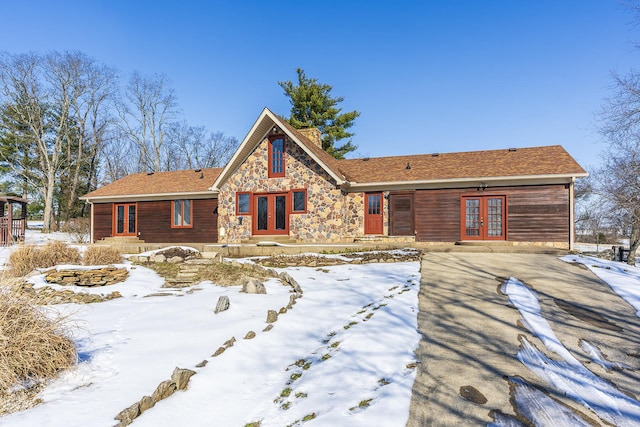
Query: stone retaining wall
(95, 277)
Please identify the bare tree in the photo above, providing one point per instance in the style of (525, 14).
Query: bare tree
(145, 111)
(118, 159)
(619, 176)
(192, 147)
(91, 89)
(218, 150)
(38, 99)
(52, 111)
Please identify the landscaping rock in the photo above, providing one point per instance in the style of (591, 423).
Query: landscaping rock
(272, 316)
(126, 416)
(292, 301)
(165, 389)
(94, 277)
(181, 377)
(250, 335)
(146, 403)
(254, 286)
(222, 305)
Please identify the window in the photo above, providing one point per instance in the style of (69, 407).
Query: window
(181, 214)
(299, 201)
(276, 156)
(243, 203)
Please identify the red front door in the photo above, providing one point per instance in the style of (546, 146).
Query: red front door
(373, 213)
(270, 214)
(124, 219)
(483, 218)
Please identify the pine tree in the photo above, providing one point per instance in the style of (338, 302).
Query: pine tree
(313, 106)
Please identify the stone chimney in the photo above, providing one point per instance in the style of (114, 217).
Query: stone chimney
(313, 134)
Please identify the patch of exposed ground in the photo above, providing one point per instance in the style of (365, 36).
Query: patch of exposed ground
(220, 273)
(587, 315)
(319, 260)
(20, 400)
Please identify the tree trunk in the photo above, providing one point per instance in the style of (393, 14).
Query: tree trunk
(634, 241)
(48, 202)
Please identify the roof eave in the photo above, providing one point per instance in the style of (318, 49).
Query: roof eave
(149, 197)
(254, 137)
(501, 181)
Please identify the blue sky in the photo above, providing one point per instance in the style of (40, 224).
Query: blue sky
(427, 76)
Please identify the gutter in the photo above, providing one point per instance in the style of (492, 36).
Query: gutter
(148, 197)
(471, 182)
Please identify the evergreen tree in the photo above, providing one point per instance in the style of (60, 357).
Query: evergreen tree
(313, 106)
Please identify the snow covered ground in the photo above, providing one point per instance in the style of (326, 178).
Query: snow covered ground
(343, 355)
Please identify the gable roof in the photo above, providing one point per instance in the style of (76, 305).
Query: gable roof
(535, 163)
(259, 131)
(158, 185)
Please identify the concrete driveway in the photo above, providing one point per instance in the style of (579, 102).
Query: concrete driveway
(470, 334)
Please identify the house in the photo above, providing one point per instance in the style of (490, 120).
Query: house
(281, 184)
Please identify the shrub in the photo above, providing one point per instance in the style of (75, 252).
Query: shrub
(102, 255)
(55, 253)
(78, 229)
(22, 260)
(25, 259)
(33, 346)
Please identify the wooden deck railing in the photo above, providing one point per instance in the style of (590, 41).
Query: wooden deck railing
(11, 233)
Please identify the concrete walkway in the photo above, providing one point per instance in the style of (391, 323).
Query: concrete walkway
(470, 333)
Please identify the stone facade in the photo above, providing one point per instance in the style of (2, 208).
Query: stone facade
(332, 215)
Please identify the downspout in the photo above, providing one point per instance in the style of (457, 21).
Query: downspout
(91, 223)
(572, 224)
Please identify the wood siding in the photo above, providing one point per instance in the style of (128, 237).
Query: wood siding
(437, 214)
(539, 214)
(154, 222)
(102, 220)
(401, 221)
(534, 213)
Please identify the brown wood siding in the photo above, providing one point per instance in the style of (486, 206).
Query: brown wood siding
(539, 214)
(534, 213)
(102, 220)
(437, 214)
(401, 221)
(154, 222)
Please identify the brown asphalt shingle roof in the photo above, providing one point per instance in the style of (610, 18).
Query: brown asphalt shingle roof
(521, 162)
(186, 181)
(549, 160)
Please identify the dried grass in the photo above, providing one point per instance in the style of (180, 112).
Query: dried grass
(102, 255)
(33, 346)
(27, 258)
